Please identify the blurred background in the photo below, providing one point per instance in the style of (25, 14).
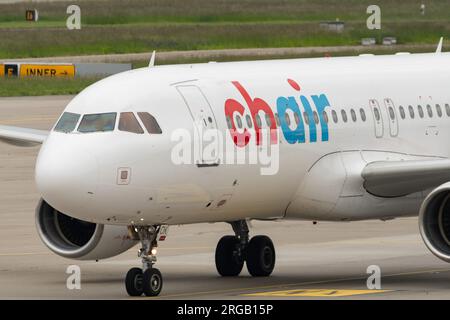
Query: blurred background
(190, 31)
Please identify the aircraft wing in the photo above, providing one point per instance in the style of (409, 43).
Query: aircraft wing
(22, 136)
(399, 178)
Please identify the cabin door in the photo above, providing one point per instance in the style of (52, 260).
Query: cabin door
(205, 125)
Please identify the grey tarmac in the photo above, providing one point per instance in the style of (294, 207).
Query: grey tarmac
(323, 261)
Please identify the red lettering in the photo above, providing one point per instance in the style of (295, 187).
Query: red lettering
(255, 105)
(240, 139)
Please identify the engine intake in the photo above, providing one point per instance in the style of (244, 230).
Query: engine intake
(76, 239)
(434, 221)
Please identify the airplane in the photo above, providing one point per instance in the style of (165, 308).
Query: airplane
(350, 138)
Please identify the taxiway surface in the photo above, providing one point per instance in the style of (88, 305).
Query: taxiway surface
(325, 261)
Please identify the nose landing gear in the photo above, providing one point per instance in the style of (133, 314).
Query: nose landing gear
(233, 251)
(147, 280)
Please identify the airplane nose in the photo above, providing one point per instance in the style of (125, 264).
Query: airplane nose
(66, 176)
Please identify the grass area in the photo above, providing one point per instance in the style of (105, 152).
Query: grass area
(127, 26)
(10, 87)
(136, 38)
(124, 26)
(61, 86)
(132, 11)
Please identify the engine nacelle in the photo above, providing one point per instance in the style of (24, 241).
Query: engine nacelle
(76, 239)
(434, 221)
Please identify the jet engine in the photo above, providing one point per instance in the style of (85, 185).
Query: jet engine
(76, 239)
(434, 221)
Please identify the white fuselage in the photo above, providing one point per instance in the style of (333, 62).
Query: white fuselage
(79, 173)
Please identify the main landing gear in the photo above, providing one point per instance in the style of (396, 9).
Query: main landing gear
(147, 280)
(232, 251)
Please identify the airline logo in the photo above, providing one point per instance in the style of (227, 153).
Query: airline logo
(283, 104)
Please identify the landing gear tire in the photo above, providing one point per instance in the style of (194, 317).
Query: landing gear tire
(260, 256)
(149, 281)
(134, 282)
(228, 262)
(152, 282)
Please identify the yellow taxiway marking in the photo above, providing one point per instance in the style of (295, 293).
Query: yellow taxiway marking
(314, 293)
(307, 283)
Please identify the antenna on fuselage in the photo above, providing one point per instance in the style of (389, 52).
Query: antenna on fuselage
(152, 60)
(439, 47)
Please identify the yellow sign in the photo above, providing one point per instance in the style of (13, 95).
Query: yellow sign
(49, 70)
(315, 293)
(2, 70)
(11, 69)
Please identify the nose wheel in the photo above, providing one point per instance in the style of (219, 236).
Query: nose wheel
(232, 251)
(148, 280)
(153, 282)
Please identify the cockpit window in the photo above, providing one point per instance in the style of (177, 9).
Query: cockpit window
(67, 122)
(100, 122)
(150, 122)
(129, 123)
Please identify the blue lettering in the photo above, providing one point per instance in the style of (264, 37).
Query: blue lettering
(291, 136)
(312, 124)
(321, 103)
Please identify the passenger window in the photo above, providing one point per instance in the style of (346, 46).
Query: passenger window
(305, 116)
(420, 111)
(248, 119)
(296, 118)
(344, 115)
(268, 121)
(67, 122)
(316, 117)
(377, 114)
(288, 120)
(334, 115)
(100, 122)
(402, 112)
(363, 114)
(325, 116)
(150, 123)
(391, 113)
(447, 109)
(258, 120)
(277, 120)
(129, 123)
(238, 121)
(430, 111)
(439, 111)
(353, 113)
(411, 112)
(229, 125)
